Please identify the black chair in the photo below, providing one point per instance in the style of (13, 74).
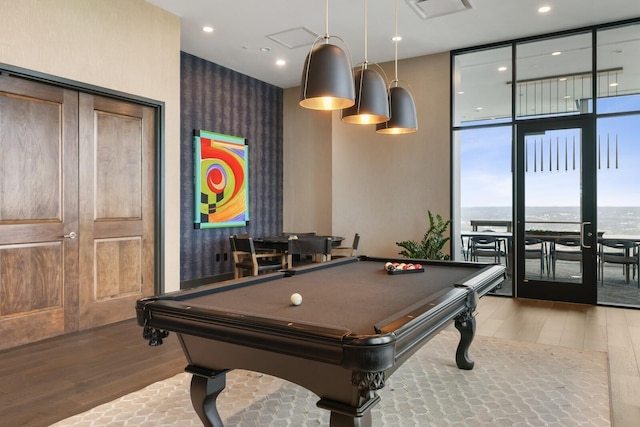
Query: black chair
(344, 251)
(309, 249)
(536, 249)
(621, 252)
(568, 249)
(245, 257)
(486, 246)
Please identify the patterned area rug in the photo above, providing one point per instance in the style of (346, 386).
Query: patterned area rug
(512, 384)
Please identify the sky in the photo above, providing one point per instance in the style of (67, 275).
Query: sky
(486, 169)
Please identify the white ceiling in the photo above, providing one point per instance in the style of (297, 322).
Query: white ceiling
(241, 28)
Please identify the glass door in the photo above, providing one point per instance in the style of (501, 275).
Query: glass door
(555, 238)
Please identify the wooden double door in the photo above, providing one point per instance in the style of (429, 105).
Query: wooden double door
(76, 209)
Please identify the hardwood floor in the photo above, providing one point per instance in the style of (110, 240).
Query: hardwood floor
(48, 381)
(45, 382)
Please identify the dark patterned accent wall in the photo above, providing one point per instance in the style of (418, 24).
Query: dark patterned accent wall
(221, 100)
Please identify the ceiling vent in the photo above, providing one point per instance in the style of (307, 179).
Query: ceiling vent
(426, 9)
(294, 37)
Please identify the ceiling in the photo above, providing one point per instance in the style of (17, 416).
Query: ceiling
(240, 39)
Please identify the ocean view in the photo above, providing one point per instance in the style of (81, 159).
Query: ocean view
(611, 219)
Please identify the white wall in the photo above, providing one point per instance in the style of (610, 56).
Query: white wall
(124, 45)
(381, 185)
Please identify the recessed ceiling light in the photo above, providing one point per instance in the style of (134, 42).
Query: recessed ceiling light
(562, 79)
(613, 84)
(544, 9)
(502, 69)
(567, 96)
(396, 38)
(478, 108)
(265, 49)
(281, 62)
(207, 29)
(556, 53)
(461, 92)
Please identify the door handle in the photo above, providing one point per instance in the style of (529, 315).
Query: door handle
(582, 235)
(71, 235)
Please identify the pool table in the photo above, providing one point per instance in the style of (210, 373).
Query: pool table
(355, 326)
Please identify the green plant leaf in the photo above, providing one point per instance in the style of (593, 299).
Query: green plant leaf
(430, 247)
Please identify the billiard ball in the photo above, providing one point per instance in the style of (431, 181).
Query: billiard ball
(296, 299)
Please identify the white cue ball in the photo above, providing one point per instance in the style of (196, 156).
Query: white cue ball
(296, 299)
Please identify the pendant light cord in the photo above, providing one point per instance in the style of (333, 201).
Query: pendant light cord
(396, 40)
(326, 21)
(366, 60)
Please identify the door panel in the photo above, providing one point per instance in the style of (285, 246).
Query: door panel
(116, 208)
(118, 145)
(31, 278)
(555, 237)
(31, 159)
(118, 267)
(38, 206)
(76, 210)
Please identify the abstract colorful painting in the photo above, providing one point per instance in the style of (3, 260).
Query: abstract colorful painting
(221, 176)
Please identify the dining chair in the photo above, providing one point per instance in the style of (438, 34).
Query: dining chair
(536, 249)
(309, 249)
(621, 252)
(346, 251)
(246, 258)
(487, 246)
(566, 249)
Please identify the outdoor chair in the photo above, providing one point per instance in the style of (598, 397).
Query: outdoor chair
(621, 252)
(487, 247)
(536, 249)
(568, 249)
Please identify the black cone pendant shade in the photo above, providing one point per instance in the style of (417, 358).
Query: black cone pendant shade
(403, 113)
(327, 82)
(372, 105)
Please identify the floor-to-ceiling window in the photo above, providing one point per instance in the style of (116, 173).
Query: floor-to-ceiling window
(498, 185)
(618, 161)
(482, 155)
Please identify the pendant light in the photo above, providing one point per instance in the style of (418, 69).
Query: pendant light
(327, 83)
(372, 105)
(403, 109)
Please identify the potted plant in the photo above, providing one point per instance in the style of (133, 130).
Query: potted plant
(432, 243)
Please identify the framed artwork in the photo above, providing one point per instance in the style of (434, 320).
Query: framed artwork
(221, 176)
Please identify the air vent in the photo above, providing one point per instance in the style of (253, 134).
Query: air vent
(426, 9)
(293, 38)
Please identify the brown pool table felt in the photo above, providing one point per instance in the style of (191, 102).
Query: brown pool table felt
(356, 296)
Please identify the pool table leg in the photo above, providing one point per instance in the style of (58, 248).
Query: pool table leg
(466, 324)
(204, 392)
(341, 420)
(345, 415)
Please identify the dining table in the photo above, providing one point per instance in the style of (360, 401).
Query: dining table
(280, 242)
